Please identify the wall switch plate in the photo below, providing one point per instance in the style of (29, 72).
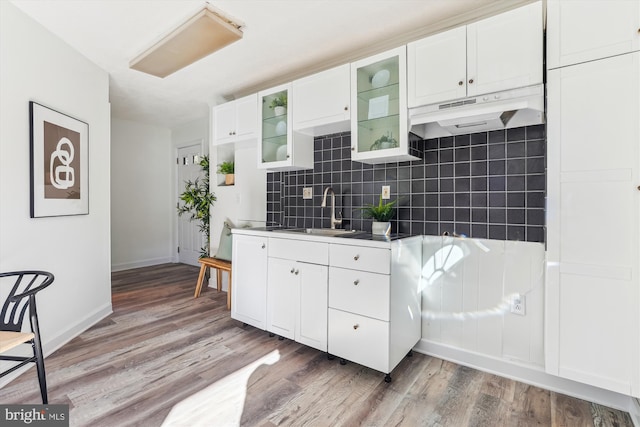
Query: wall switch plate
(386, 192)
(518, 304)
(307, 193)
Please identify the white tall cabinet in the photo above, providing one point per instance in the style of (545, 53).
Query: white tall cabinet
(593, 208)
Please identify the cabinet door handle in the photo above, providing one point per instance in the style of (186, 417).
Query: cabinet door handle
(356, 326)
(470, 81)
(264, 246)
(355, 282)
(638, 187)
(296, 273)
(357, 257)
(288, 156)
(292, 270)
(460, 83)
(346, 108)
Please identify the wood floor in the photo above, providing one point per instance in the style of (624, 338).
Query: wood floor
(165, 357)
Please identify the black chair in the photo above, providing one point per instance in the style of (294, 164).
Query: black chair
(22, 295)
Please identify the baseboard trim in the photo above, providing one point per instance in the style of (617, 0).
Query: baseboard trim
(139, 264)
(530, 374)
(61, 339)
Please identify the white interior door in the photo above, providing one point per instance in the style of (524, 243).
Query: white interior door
(190, 240)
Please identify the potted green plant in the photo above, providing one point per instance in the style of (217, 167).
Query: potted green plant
(384, 142)
(227, 169)
(279, 104)
(381, 214)
(198, 201)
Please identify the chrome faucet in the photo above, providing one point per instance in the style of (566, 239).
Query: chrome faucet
(334, 221)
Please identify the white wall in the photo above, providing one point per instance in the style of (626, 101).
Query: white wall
(466, 297)
(38, 66)
(141, 195)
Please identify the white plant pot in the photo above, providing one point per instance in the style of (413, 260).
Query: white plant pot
(381, 228)
(280, 111)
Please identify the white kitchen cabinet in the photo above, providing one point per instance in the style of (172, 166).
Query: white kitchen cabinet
(281, 148)
(322, 102)
(375, 302)
(592, 292)
(236, 121)
(495, 54)
(297, 291)
(379, 128)
(249, 287)
(580, 31)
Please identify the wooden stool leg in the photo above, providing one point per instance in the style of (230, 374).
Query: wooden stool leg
(229, 292)
(219, 279)
(200, 279)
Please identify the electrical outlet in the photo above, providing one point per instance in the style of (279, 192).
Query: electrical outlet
(307, 193)
(518, 305)
(386, 192)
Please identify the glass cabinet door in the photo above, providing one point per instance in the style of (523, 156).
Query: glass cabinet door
(275, 126)
(379, 126)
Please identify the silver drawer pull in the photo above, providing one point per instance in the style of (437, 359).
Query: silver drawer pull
(292, 270)
(296, 273)
(355, 282)
(357, 257)
(264, 246)
(356, 326)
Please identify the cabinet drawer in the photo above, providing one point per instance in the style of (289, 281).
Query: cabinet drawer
(359, 292)
(299, 250)
(377, 260)
(360, 339)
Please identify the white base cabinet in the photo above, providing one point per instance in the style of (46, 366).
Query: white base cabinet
(297, 291)
(375, 302)
(249, 286)
(359, 300)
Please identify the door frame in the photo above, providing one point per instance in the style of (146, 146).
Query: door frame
(176, 185)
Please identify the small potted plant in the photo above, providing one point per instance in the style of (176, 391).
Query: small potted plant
(279, 104)
(381, 214)
(227, 169)
(384, 142)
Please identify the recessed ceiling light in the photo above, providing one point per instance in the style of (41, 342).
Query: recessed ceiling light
(204, 33)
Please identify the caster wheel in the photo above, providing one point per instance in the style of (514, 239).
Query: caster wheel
(410, 354)
(387, 378)
(271, 334)
(330, 356)
(280, 338)
(343, 362)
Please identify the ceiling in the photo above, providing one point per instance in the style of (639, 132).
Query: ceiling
(283, 40)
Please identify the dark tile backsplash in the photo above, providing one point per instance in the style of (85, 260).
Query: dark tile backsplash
(484, 185)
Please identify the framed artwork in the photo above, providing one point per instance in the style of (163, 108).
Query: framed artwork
(59, 154)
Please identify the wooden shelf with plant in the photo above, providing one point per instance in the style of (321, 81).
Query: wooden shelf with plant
(228, 170)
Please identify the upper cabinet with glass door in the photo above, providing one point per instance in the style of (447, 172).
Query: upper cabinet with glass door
(379, 132)
(280, 147)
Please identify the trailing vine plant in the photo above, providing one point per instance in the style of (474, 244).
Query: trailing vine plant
(197, 202)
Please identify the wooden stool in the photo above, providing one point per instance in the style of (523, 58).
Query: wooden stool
(220, 265)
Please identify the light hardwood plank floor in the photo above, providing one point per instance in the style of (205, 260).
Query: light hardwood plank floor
(165, 358)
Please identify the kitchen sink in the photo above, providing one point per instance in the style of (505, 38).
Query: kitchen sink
(318, 231)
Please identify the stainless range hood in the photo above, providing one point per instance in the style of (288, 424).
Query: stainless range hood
(500, 110)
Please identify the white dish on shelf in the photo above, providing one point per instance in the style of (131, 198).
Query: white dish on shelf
(281, 128)
(281, 153)
(380, 78)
